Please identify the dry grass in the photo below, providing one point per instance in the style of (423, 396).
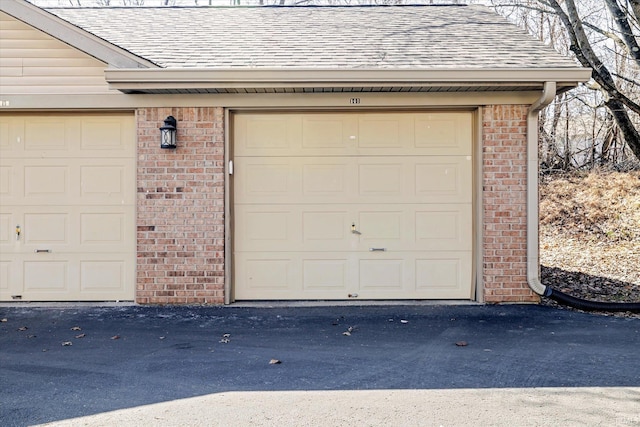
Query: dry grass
(604, 205)
(590, 234)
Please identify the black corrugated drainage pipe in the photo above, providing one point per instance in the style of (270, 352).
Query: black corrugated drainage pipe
(587, 305)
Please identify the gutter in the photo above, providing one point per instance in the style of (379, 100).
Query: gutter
(246, 78)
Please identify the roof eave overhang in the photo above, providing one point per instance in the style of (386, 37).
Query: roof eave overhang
(219, 80)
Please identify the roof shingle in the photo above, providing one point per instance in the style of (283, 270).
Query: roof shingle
(343, 37)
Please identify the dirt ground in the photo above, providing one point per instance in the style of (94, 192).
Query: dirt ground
(590, 235)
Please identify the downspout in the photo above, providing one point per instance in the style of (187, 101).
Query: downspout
(533, 249)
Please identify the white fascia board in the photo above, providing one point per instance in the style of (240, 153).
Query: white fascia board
(184, 78)
(73, 36)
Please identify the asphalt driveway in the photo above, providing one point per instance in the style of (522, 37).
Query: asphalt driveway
(61, 363)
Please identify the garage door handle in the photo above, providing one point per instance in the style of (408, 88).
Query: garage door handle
(377, 249)
(40, 251)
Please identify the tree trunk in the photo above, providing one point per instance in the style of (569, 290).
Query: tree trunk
(631, 135)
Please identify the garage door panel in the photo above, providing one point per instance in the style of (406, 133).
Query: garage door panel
(364, 205)
(438, 273)
(271, 180)
(380, 131)
(69, 183)
(48, 134)
(414, 227)
(353, 134)
(379, 226)
(444, 275)
(105, 182)
(381, 274)
(105, 229)
(292, 179)
(46, 180)
(6, 273)
(268, 274)
(46, 275)
(47, 229)
(340, 275)
(7, 230)
(444, 134)
(262, 227)
(294, 227)
(447, 179)
(380, 180)
(325, 274)
(293, 275)
(325, 179)
(415, 275)
(325, 227)
(11, 278)
(104, 134)
(67, 136)
(102, 180)
(399, 179)
(328, 133)
(5, 140)
(7, 188)
(102, 275)
(266, 134)
(87, 181)
(443, 227)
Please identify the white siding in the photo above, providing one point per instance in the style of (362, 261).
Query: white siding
(32, 62)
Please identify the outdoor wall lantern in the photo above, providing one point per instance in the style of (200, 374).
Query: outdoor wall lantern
(168, 133)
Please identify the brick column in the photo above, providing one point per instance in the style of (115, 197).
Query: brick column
(180, 208)
(504, 202)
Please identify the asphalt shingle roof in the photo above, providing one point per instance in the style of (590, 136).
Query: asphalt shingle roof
(383, 37)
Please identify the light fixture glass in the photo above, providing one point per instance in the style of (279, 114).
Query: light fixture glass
(168, 133)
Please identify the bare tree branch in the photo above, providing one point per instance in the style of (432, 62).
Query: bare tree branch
(620, 17)
(616, 39)
(583, 50)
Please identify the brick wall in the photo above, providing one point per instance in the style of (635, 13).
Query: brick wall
(180, 208)
(504, 201)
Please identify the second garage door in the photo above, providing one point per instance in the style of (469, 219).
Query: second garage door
(352, 205)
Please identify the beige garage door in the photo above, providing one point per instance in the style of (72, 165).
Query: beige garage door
(67, 182)
(339, 206)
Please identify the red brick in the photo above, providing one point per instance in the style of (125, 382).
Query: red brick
(175, 189)
(504, 238)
